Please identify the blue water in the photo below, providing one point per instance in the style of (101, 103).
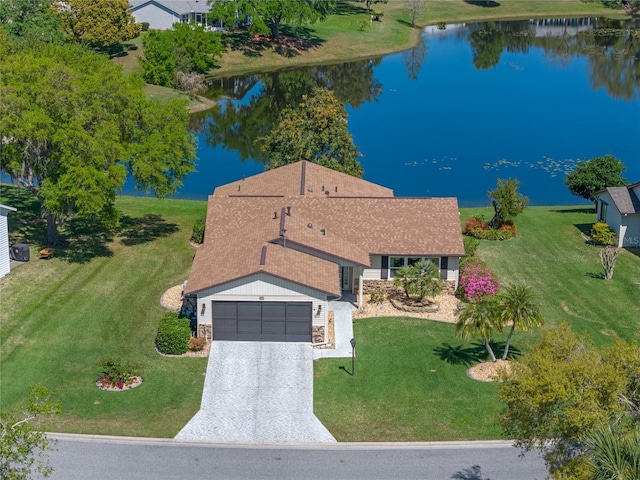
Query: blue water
(455, 129)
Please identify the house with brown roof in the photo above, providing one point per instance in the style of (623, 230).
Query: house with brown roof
(619, 207)
(280, 245)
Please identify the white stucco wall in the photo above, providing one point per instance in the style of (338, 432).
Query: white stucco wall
(263, 288)
(375, 272)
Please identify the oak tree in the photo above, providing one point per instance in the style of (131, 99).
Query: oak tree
(100, 24)
(73, 126)
(594, 175)
(315, 130)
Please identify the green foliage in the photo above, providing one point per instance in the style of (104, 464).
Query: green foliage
(421, 279)
(22, 447)
(594, 175)
(601, 234)
(187, 49)
(269, 15)
(31, 20)
(72, 140)
(507, 202)
(197, 236)
(173, 334)
(487, 45)
(315, 131)
(144, 26)
(100, 24)
(614, 454)
(378, 296)
(479, 318)
(471, 245)
(562, 390)
(114, 373)
(518, 305)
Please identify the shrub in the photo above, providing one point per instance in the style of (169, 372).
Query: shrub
(197, 235)
(601, 234)
(477, 280)
(173, 334)
(470, 246)
(378, 296)
(145, 26)
(474, 226)
(117, 374)
(196, 344)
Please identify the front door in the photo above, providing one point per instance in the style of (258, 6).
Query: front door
(345, 278)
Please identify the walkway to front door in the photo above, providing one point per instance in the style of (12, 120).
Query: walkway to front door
(257, 392)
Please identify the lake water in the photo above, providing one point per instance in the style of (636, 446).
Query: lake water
(470, 104)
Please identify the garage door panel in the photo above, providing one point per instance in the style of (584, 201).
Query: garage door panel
(262, 321)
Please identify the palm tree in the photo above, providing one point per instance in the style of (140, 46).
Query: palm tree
(479, 319)
(427, 278)
(518, 304)
(613, 456)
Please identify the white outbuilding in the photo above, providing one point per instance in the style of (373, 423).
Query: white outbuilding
(5, 261)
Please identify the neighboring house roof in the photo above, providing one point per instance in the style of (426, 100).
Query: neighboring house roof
(301, 231)
(303, 178)
(8, 209)
(177, 6)
(624, 198)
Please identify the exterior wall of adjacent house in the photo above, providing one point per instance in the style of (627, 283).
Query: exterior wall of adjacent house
(450, 273)
(627, 227)
(263, 288)
(5, 261)
(158, 17)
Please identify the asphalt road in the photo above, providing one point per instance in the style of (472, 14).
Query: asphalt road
(98, 458)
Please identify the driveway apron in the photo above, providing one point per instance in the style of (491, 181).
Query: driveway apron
(257, 392)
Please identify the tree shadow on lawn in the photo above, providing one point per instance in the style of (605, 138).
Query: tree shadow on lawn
(145, 229)
(291, 43)
(476, 353)
(483, 3)
(633, 250)
(589, 210)
(25, 225)
(344, 8)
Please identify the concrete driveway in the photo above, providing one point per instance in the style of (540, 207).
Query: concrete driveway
(257, 392)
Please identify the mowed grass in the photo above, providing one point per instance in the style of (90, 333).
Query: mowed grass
(99, 296)
(411, 382)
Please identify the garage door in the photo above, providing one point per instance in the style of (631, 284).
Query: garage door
(262, 321)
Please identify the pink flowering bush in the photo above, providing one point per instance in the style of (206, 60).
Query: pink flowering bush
(477, 280)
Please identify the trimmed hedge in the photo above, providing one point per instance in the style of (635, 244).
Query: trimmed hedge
(197, 235)
(173, 335)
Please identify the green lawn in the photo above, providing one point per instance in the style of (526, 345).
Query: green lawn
(99, 296)
(411, 381)
(410, 385)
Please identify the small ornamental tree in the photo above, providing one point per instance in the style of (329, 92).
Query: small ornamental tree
(507, 202)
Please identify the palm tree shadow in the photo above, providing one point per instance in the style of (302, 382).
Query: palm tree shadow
(472, 473)
(460, 354)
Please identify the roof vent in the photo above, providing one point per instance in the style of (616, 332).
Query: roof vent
(323, 231)
(263, 255)
(289, 211)
(336, 189)
(326, 192)
(309, 225)
(238, 187)
(275, 215)
(310, 189)
(323, 188)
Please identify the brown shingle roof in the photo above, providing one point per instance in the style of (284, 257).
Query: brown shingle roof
(341, 228)
(303, 178)
(625, 199)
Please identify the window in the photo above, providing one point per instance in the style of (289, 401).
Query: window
(396, 263)
(602, 215)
